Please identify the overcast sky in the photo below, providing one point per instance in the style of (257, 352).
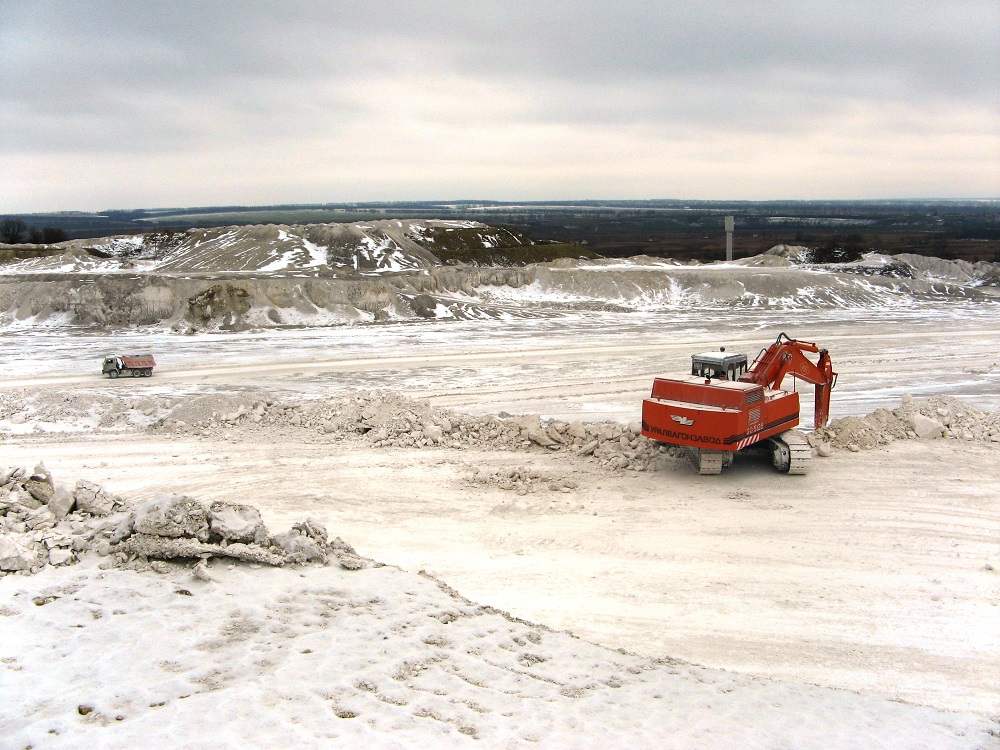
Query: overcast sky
(142, 104)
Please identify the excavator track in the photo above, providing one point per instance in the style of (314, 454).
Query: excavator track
(792, 453)
(709, 462)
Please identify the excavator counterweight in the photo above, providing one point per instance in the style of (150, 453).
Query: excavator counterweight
(724, 407)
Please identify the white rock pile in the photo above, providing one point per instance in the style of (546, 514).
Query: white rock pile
(939, 417)
(391, 420)
(42, 523)
(78, 411)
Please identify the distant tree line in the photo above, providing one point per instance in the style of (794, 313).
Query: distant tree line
(17, 231)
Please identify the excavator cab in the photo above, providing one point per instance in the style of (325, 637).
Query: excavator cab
(718, 365)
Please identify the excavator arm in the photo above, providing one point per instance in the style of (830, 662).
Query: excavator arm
(785, 357)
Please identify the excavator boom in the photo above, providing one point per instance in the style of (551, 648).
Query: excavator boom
(785, 357)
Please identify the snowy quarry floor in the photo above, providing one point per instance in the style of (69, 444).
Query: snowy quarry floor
(854, 607)
(322, 657)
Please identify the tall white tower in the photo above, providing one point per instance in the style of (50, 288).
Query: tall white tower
(730, 224)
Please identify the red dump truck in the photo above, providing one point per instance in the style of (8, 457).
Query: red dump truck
(128, 365)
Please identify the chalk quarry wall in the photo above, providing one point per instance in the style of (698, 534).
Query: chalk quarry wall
(237, 302)
(246, 300)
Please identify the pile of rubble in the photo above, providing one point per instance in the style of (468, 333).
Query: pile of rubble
(391, 420)
(74, 411)
(42, 523)
(521, 479)
(941, 417)
(384, 419)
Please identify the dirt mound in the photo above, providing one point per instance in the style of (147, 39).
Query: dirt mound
(224, 406)
(391, 420)
(384, 419)
(315, 249)
(73, 411)
(792, 253)
(767, 283)
(922, 268)
(982, 273)
(938, 417)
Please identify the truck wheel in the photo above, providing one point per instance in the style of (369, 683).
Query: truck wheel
(136, 373)
(113, 374)
(147, 373)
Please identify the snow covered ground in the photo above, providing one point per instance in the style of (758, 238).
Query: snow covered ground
(322, 657)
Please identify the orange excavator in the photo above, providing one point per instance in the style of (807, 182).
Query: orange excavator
(724, 407)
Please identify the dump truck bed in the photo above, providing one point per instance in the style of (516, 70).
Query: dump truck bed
(138, 361)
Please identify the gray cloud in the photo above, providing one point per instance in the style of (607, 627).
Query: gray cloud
(260, 83)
